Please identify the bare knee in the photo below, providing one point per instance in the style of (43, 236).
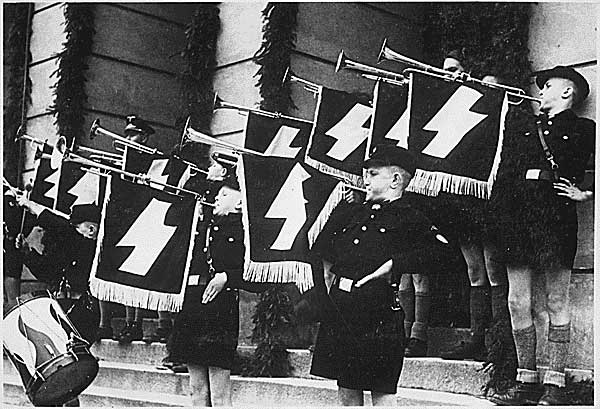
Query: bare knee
(519, 304)
(557, 302)
(421, 283)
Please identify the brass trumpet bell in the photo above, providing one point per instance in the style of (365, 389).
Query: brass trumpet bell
(368, 71)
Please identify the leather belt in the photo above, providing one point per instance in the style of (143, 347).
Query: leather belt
(197, 280)
(343, 283)
(540, 174)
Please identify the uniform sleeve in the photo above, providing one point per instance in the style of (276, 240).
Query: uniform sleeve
(49, 220)
(427, 253)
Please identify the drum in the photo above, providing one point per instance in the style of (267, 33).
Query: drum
(52, 359)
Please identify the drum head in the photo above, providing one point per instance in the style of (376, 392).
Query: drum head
(66, 383)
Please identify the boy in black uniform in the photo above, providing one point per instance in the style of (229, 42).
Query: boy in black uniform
(367, 246)
(534, 202)
(66, 262)
(205, 332)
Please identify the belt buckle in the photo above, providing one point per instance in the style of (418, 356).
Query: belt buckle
(533, 174)
(345, 284)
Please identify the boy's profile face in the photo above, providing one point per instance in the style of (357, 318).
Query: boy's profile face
(228, 200)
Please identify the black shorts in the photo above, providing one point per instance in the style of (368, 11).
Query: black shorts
(362, 347)
(206, 334)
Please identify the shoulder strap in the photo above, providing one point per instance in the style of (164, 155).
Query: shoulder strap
(547, 151)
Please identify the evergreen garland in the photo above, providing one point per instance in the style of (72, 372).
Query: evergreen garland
(274, 55)
(492, 38)
(273, 319)
(274, 316)
(200, 62)
(17, 98)
(69, 91)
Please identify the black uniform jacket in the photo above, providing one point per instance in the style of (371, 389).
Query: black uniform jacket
(358, 238)
(66, 253)
(224, 245)
(570, 139)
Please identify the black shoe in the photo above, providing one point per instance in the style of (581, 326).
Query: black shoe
(466, 350)
(132, 331)
(160, 335)
(104, 333)
(553, 396)
(177, 367)
(522, 394)
(415, 348)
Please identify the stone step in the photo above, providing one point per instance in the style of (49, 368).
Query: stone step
(140, 352)
(259, 392)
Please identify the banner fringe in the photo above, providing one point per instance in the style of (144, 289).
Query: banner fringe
(349, 178)
(432, 183)
(135, 297)
(336, 196)
(280, 272)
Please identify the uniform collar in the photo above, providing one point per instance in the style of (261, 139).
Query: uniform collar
(231, 218)
(384, 204)
(562, 115)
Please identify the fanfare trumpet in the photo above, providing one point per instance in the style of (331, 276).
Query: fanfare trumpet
(90, 165)
(192, 135)
(96, 129)
(218, 103)
(387, 54)
(368, 71)
(94, 154)
(309, 86)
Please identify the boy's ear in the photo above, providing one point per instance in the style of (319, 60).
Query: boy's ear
(238, 205)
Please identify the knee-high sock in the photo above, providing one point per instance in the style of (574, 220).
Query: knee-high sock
(164, 319)
(133, 314)
(407, 301)
(559, 337)
(422, 307)
(525, 342)
(481, 313)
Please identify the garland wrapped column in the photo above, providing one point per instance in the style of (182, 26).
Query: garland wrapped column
(274, 312)
(18, 95)
(69, 91)
(200, 63)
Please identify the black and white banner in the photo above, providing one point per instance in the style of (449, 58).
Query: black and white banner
(456, 130)
(45, 185)
(340, 136)
(390, 116)
(77, 186)
(144, 246)
(285, 202)
(164, 169)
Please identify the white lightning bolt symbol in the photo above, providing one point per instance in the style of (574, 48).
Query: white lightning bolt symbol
(86, 189)
(453, 121)
(289, 205)
(52, 179)
(280, 145)
(349, 132)
(156, 170)
(148, 236)
(399, 131)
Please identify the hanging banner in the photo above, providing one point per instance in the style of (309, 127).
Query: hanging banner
(285, 202)
(340, 135)
(144, 248)
(456, 130)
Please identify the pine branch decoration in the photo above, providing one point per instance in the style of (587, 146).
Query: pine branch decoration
(70, 95)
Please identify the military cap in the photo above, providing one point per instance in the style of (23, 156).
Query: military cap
(84, 213)
(231, 181)
(224, 159)
(387, 155)
(561, 71)
(137, 124)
